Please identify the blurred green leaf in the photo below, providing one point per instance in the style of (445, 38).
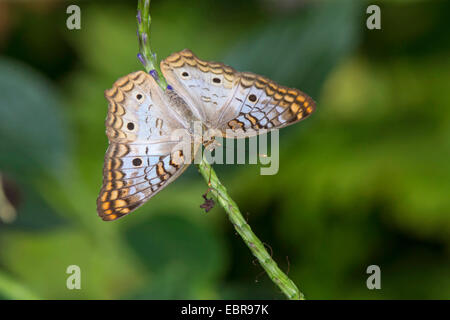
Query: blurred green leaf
(32, 212)
(10, 289)
(33, 129)
(106, 270)
(171, 242)
(34, 141)
(301, 48)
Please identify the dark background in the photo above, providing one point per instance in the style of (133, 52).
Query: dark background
(364, 181)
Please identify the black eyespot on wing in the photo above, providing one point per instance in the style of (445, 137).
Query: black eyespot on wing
(185, 74)
(139, 96)
(137, 162)
(130, 125)
(252, 98)
(216, 80)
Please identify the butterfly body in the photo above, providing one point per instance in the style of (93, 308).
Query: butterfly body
(144, 155)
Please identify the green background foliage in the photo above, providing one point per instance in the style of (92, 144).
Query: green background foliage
(365, 180)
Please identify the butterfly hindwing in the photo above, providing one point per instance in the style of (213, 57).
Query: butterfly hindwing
(130, 178)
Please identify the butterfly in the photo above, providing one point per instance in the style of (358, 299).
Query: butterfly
(143, 157)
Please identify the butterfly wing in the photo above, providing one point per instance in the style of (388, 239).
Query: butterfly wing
(231, 101)
(205, 86)
(260, 103)
(128, 184)
(142, 157)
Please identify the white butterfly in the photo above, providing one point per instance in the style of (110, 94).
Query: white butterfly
(143, 157)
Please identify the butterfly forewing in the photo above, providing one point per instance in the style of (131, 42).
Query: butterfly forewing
(259, 103)
(205, 86)
(142, 156)
(229, 100)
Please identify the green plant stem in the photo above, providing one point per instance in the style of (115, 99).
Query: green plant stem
(146, 56)
(218, 191)
(243, 229)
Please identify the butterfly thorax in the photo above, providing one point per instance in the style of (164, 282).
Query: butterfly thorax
(182, 109)
(200, 131)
